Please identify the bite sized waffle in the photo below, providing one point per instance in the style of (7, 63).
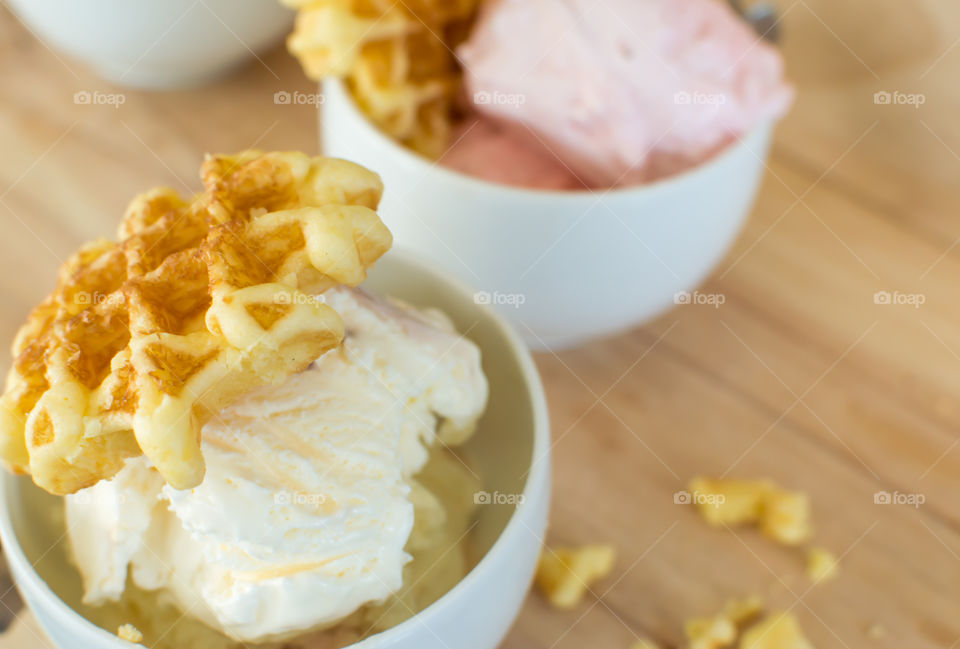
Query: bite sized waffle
(396, 57)
(145, 339)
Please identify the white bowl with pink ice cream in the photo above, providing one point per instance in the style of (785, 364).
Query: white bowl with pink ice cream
(613, 153)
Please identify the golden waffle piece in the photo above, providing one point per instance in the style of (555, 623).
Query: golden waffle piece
(200, 301)
(396, 57)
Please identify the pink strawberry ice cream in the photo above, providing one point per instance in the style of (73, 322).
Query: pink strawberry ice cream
(622, 91)
(507, 154)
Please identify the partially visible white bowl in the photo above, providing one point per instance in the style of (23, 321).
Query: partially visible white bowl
(566, 267)
(510, 451)
(157, 43)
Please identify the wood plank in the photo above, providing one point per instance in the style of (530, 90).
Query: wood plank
(799, 375)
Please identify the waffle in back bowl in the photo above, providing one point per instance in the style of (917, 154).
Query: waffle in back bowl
(145, 340)
(397, 59)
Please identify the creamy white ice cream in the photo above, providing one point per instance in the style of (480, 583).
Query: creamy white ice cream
(307, 505)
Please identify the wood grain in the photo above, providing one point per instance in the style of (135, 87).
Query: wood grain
(798, 376)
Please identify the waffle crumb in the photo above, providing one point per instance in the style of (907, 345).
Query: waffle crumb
(821, 564)
(564, 574)
(743, 611)
(721, 630)
(782, 515)
(876, 632)
(777, 631)
(130, 633)
(711, 632)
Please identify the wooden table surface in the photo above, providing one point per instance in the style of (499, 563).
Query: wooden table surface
(799, 376)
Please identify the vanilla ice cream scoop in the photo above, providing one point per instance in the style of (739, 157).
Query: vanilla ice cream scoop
(623, 91)
(306, 507)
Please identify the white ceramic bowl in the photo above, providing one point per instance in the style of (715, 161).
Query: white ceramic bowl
(157, 43)
(510, 451)
(566, 267)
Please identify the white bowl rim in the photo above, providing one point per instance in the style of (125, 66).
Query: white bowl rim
(538, 472)
(673, 181)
